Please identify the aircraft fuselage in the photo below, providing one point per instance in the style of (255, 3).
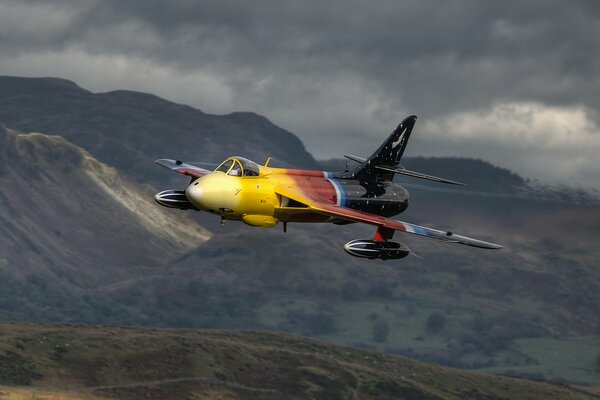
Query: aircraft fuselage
(255, 199)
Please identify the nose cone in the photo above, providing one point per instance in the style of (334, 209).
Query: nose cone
(194, 194)
(215, 192)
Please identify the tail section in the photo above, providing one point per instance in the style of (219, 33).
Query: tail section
(388, 155)
(391, 151)
(385, 162)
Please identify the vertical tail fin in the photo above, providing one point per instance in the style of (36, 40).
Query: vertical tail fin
(387, 155)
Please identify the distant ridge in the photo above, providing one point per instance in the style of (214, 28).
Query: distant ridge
(483, 179)
(14, 86)
(128, 130)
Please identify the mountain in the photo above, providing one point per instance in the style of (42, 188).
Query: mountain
(481, 179)
(90, 362)
(70, 223)
(76, 252)
(128, 130)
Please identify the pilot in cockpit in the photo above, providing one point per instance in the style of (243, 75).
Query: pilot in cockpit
(235, 171)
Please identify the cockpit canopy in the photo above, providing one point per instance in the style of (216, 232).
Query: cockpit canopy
(239, 166)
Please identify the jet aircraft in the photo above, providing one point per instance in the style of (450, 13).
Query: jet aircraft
(262, 196)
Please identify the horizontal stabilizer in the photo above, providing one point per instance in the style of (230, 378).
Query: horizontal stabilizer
(420, 175)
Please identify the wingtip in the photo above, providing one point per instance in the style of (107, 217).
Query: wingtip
(453, 182)
(490, 246)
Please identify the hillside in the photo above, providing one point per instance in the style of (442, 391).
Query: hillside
(133, 363)
(83, 244)
(128, 130)
(531, 309)
(69, 222)
(505, 312)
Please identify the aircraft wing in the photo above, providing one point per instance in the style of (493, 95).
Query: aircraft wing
(182, 168)
(349, 214)
(367, 218)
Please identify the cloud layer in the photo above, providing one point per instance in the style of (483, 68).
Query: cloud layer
(516, 83)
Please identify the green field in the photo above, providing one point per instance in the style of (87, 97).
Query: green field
(571, 360)
(468, 342)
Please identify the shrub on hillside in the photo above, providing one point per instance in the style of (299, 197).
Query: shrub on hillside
(318, 323)
(435, 322)
(351, 291)
(381, 289)
(380, 331)
(481, 324)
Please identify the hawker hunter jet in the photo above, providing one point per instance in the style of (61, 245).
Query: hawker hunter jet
(259, 195)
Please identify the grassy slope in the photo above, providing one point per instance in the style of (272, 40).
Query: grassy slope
(153, 363)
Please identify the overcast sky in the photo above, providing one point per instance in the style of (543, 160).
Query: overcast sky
(515, 83)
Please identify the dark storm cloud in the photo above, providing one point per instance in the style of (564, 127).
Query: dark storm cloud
(461, 51)
(342, 71)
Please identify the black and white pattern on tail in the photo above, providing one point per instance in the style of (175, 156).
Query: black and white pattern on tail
(391, 151)
(387, 155)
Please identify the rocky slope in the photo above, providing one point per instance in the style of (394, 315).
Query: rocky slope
(71, 220)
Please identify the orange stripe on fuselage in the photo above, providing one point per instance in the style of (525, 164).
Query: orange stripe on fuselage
(312, 184)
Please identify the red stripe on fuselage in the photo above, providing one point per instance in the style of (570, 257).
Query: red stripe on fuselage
(304, 172)
(314, 185)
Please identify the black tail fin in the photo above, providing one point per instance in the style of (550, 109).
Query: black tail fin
(387, 155)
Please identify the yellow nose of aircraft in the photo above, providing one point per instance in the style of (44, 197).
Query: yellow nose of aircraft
(216, 192)
(194, 193)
